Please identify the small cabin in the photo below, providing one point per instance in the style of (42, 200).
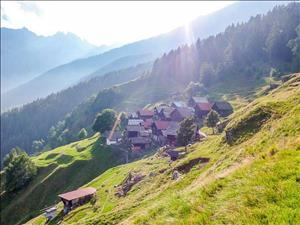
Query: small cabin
(76, 198)
(181, 113)
(223, 108)
(50, 213)
(140, 143)
(171, 133)
(158, 126)
(145, 114)
(134, 131)
(202, 109)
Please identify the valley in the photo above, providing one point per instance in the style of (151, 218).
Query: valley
(198, 125)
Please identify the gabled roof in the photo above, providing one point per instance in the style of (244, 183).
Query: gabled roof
(185, 111)
(200, 99)
(78, 193)
(167, 111)
(145, 112)
(171, 129)
(161, 125)
(222, 105)
(204, 106)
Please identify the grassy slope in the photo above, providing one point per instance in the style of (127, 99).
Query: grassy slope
(254, 181)
(60, 170)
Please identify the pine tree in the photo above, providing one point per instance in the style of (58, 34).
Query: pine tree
(186, 131)
(212, 119)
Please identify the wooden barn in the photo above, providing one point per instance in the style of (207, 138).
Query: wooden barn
(145, 114)
(181, 113)
(202, 109)
(76, 198)
(223, 108)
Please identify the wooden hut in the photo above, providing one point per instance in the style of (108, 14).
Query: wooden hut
(75, 198)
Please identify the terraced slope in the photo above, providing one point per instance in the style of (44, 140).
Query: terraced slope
(253, 180)
(59, 170)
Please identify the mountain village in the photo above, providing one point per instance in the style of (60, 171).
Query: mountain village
(160, 125)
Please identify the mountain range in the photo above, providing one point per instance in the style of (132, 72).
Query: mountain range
(25, 55)
(68, 74)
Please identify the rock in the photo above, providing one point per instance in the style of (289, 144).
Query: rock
(228, 137)
(175, 175)
(127, 184)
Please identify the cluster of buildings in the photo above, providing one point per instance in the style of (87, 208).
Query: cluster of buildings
(160, 125)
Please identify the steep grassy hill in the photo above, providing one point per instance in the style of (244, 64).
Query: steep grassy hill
(59, 170)
(253, 180)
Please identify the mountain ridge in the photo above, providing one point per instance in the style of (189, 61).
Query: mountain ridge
(202, 27)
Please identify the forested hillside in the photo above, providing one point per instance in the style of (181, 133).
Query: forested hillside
(66, 75)
(20, 128)
(237, 59)
(54, 81)
(224, 65)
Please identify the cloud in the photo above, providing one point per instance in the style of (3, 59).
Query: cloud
(30, 7)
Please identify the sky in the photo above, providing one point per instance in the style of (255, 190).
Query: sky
(104, 23)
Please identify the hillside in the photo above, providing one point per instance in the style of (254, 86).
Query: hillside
(59, 170)
(253, 180)
(25, 55)
(54, 108)
(64, 79)
(236, 72)
(226, 65)
(66, 75)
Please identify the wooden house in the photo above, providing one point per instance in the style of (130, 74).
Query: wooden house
(202, 109)
(140, 143)
(223, 108)
(145, 114)
(134, 131)
(75, 198)
(163, 113)
(193, 101)
(170, 133)
(181, 113)
(148, 124)
(158, 126)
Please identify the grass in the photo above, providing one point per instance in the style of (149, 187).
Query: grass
(256, 180)
(59, 170)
